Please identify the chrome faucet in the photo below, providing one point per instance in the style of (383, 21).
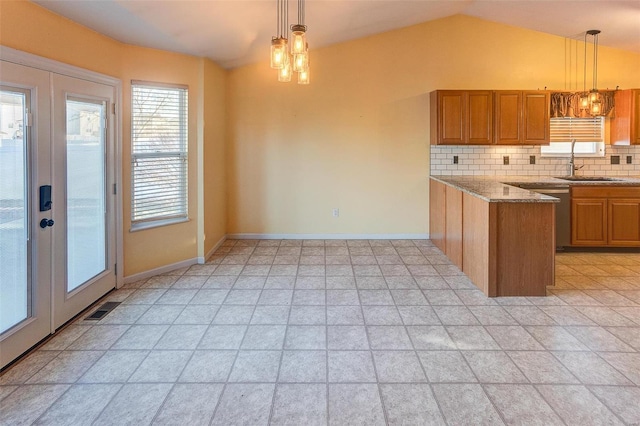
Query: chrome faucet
(572, 162)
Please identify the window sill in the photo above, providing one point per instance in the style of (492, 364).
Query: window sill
(568, 155)
(141, 226)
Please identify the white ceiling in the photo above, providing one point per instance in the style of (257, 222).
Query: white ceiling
(237, 32)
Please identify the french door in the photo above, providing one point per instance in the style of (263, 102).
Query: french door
(57, 208)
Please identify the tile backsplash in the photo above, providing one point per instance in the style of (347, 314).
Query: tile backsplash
(488, 160)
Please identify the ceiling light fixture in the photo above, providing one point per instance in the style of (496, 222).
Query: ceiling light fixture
(295, 58)
(279, 51)
(591, 101)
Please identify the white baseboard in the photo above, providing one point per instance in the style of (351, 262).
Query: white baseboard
(247, 236)
(215, 247)
(161, 270)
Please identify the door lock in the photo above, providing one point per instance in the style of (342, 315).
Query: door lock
(46, 222)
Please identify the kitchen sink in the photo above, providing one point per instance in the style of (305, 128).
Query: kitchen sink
(588, 178)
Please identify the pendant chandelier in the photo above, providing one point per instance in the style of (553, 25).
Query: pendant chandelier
(293, 58)
(591, 101)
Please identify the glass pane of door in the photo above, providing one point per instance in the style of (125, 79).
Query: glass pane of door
(86, 191)
(14, 213)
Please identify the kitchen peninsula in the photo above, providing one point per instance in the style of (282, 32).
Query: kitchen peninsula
(503, 236)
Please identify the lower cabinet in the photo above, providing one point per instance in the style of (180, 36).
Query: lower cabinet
(605, 216)
(588, 221)
(453, 226)
(623, 222)
(445, 220)
(437, 213)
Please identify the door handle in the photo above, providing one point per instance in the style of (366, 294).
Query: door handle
(46, 222)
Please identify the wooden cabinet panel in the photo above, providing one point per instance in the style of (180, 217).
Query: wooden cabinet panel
(522, 117)
(535, 117)
(453, 225)
(587, 191)
(588, 221)
(437, 213)
(624, 222)
(453, 117)
(449, 117)
(460, 117)
(480, 117)
(508, 107)
(625, 126)
(478, 259)
(515, 224)
(605, 216)
(445, 220)
(635, 129)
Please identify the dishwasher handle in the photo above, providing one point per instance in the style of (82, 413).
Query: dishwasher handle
(551, 191)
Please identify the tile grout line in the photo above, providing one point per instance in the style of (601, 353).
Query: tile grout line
(424, 371)
(277, 378)
(373, 361)
(244, 335)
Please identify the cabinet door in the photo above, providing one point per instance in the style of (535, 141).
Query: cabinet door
(624, 222)
(508, 117)
(480, 117)
(589, 221)
(453, 226)
(452, 117)
(635, 126)
(535, 118)
(437, 213)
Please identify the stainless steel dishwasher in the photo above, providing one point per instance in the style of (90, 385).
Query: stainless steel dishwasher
(563, 210)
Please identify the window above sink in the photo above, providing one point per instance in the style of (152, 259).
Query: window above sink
(588, 132)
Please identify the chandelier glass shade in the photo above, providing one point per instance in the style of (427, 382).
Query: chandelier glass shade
(290, 56)
(278, 52)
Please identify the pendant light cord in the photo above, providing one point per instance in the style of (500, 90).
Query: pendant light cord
(595, 62)
(282, 18)
(584, 81)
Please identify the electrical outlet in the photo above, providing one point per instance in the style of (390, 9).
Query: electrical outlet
(505, 160)
(455, 159)
(615, 159)
(629, 159)
(532, 159)
(336, 212)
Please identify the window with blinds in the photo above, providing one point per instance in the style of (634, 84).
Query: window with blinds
(588, 133)
(159, 153)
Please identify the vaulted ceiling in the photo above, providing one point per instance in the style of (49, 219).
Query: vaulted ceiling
(238, 32)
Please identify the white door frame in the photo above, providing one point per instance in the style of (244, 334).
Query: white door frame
(23, 58)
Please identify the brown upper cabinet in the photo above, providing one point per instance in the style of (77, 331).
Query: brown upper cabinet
(462, 117)
(522, 117)
(483, 117)
(625, 126)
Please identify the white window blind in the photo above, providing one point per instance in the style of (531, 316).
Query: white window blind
(588, 133)
(159, 152)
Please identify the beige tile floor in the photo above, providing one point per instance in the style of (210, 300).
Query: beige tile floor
(343, 332)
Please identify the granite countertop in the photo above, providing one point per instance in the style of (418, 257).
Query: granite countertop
(501, 189)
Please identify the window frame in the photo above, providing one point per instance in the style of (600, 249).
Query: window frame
(182, 154)
(597, 151)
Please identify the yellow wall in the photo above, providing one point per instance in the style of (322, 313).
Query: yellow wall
(357, 137)
(30, 28)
